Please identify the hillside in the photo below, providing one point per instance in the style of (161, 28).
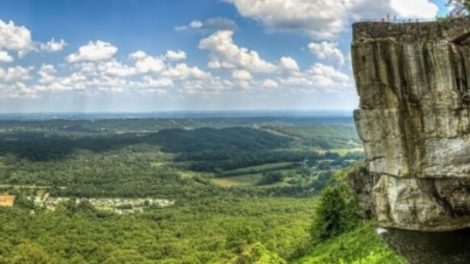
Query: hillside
(98, 195)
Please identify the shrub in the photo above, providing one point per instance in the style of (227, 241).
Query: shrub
(271, 178)
(337, 212)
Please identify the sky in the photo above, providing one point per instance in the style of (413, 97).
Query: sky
(184, 55)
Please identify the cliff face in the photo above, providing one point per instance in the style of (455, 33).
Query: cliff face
(414, 119)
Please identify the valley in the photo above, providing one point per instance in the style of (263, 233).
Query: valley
(243, 182)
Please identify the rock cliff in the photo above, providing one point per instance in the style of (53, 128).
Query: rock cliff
(413, 80)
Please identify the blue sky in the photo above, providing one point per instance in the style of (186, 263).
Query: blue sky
(167, 55)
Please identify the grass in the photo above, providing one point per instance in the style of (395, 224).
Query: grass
(191, 174)
(238, 181)
(251, 179)
(360, 246)
(344, 151)
(257, 169)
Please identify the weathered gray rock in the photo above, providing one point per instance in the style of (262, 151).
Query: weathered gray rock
(414, 119)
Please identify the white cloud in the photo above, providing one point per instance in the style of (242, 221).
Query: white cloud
(269, 84)
(15, 38)
(16, 73)
(115, 68)
(325, 75)
(224, 53)
(324, 19)
(5, 57)
(327, 51)
(16, 89)
(209, 25)
(146, 74)
(138, 55)
(18, 39)
(196, 24)
(415, 8)
(289, 64)
(150, 82)
(319, 77)
(241, 75)
(93, 51)
(175, 55)
(53, 45)
(149, 64)
(183, 72)
(46, 73)
(321, 18)
(145, 63)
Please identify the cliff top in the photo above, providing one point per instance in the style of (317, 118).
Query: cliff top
(454, 29)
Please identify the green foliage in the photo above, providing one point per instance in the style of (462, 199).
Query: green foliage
(209, 230)
(358, 246)
(271, 178)
(339, 235)
(322, 136)
(31, 253)
(126, 257)
(258, 254)
(337, 211)
(163, 158)
(241, 235)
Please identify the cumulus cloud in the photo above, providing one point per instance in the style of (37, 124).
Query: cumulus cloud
(115, 68)
(319, 77)
(5, 57)
(289, 64)
(327, 51)
(152, 82)
(94, 68)
(93, 51)
(53, 46)
(324, 19)
(269, 84)
(183, 72)
(16, 73)
(209, 25)
(15, 38)
(224, 53)
(138, 55)
(172, 55)
(415, 8)
(325, 75)
(47, 73)
(242, 75)
(145, 63)
(16, 89)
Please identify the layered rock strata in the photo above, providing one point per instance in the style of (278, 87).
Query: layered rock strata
(413, 80)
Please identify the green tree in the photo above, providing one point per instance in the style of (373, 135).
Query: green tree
(241, 235)
(30, 253)
(258, 254)
(126, 257)
(337, 212)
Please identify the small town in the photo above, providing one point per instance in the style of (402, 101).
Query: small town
(42, 200)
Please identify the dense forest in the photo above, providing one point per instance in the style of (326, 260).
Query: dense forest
(239, 194)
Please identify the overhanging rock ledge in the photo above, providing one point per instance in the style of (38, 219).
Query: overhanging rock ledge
(413, 80)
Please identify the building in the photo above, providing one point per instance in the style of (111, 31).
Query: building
(7, 200)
